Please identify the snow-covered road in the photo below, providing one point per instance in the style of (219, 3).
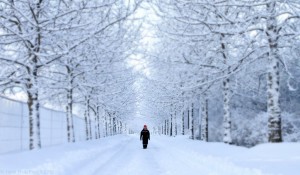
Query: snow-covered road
(123, 155)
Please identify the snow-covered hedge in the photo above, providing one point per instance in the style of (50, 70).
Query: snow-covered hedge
(253, 131)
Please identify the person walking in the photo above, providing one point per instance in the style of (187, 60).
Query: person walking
(145, 136)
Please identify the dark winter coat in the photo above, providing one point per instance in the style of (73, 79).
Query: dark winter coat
(145, 135)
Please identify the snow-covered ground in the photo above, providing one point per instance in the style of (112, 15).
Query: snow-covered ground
(123, 155)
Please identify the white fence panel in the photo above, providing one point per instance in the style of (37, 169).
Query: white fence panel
(14, 126)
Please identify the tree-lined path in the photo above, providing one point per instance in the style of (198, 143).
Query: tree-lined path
(123, 155)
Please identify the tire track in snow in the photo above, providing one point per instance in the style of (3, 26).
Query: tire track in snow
(78, 161)
(130, 159)
(88, 166)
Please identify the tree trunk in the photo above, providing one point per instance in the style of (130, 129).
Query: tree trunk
(106, 126)
(69, 115)
(204, 118)
(32, 86)
(192, 122)
(165, 127)
(227, 116)
(188, 119)
(98, 121)
(182, 123)
(34, 120)
(110, 124)
(226, 97)
(69, 107)
(87, 118)
(114, 126)
(68, 123)
(121, 128)
(274, 111)
(171, 125)
(175, 124)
